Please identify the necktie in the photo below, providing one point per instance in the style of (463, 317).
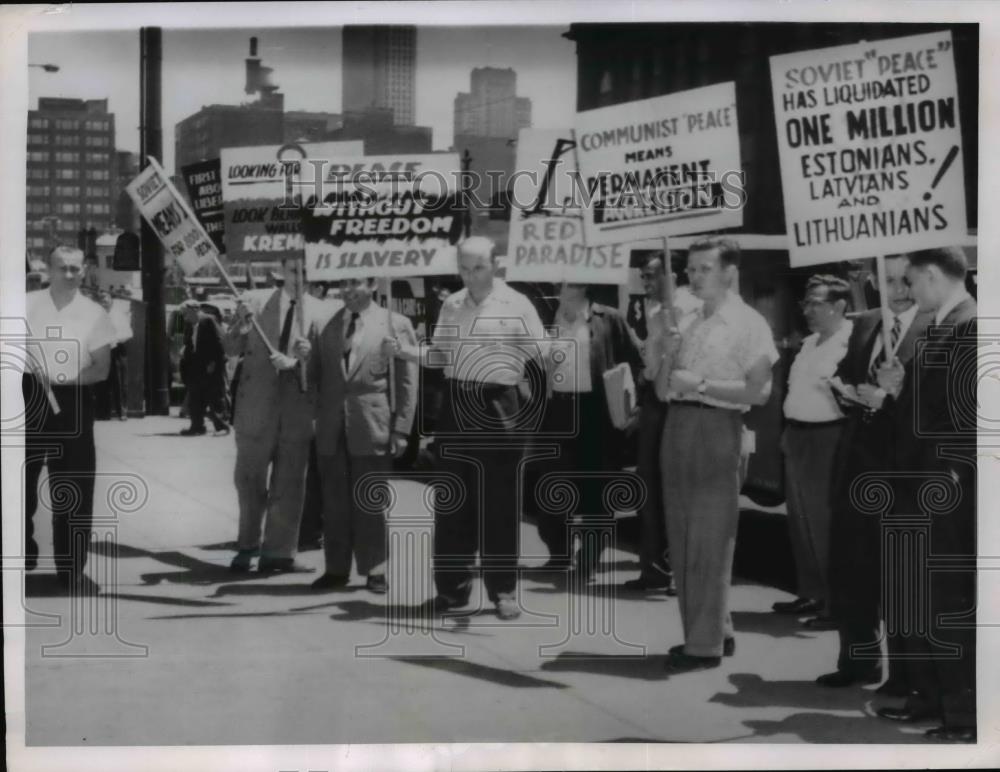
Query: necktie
(894, 333)
(286, 328)
(351, 327)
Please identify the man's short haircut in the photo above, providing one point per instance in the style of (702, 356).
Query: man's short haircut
(836, 288)
(951, 261)
(729, 250)
(478, 245)
(65, 250)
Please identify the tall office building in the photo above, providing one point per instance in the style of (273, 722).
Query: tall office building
(379, 70)
(492, 108)
(71, 177)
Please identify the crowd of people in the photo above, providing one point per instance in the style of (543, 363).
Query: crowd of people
(325, 401)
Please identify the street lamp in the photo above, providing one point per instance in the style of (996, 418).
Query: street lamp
(46, 67)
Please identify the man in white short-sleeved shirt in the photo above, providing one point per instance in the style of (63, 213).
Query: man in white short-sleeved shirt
(723, 366)
(68, 350)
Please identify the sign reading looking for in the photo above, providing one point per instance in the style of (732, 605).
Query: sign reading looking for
(870, 148)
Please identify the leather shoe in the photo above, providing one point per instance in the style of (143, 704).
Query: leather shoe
(329, 582)
(728, 647)
(191, 432)
(686, 663)
(376, 583)
(507, 608)
(910, 712)
(952, 734)
(797, 606)
(241, 563)
(820, 623)
(841, 678)
(221, 432)
(282, 566)
(439, 604)
(648, 584)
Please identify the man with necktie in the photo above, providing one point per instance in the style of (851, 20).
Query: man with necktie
(932, 401)
(357, 431)
(203, 370)
(273, 421)
(866, 446)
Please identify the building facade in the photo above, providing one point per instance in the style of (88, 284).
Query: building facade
(491, 108)
(379, 70)
(381, 136)
(71, 171)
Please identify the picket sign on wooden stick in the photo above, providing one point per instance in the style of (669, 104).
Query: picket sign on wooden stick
(883, 294)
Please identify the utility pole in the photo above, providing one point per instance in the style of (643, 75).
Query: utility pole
(151, 144)
(467, 199)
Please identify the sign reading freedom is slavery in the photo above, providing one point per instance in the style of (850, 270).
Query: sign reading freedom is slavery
(385, 216)
(546, 224)
(870, 148)
(258, 224)
(661, 167)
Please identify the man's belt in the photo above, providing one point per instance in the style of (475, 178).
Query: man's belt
(814, 424)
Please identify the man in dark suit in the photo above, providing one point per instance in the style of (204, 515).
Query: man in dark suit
(357, 432)
(203, 370)
(866, 446)
(932, 399)
(592, 339)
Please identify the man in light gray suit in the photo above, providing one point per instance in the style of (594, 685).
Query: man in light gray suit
(357, 432)
(274, 418)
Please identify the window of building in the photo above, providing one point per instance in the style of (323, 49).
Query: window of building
(66, 174)
(98, 174)
(97, 141)
(38, 174)
(97, 158)
(67, 158)
(66, 123)
(36, 241)
(38, 155)
(94, 191)
(96, 125)
(69, 225)
(98, 209)
(67, 140)
(38, 190)
(68, 207)
(38, 123)
(37, 208)
(37, 139)
(67, 190)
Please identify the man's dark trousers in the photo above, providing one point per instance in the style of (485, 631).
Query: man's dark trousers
(65, 443)
(479, 441)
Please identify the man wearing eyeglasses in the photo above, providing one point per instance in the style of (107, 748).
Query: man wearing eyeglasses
(813, 425)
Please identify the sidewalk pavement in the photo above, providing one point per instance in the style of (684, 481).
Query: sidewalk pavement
(177, 650)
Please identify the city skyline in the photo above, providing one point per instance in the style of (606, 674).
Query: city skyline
(307, 67)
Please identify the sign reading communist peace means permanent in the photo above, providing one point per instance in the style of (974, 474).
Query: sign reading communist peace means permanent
(658, 167)
(870, 148)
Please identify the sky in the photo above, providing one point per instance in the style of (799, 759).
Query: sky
(202, 67)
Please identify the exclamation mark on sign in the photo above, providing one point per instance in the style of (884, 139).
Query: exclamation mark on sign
(944, 167)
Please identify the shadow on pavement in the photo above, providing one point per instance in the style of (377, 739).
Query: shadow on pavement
(303, 588)
(164, 600)
(647, 668)
(487, 673)
(755, 692)
(42, 586)
(225, 546)
(824, 728)
(769, 623)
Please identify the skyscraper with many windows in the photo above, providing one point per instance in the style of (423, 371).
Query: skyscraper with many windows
(379, 69)
(71, 179)
(491, 107)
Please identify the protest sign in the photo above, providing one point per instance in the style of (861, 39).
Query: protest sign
(161, 205)
(660, 167)
(259, 222)
(204, 185)
(870, 148)
(546, 229)
(385, 216)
